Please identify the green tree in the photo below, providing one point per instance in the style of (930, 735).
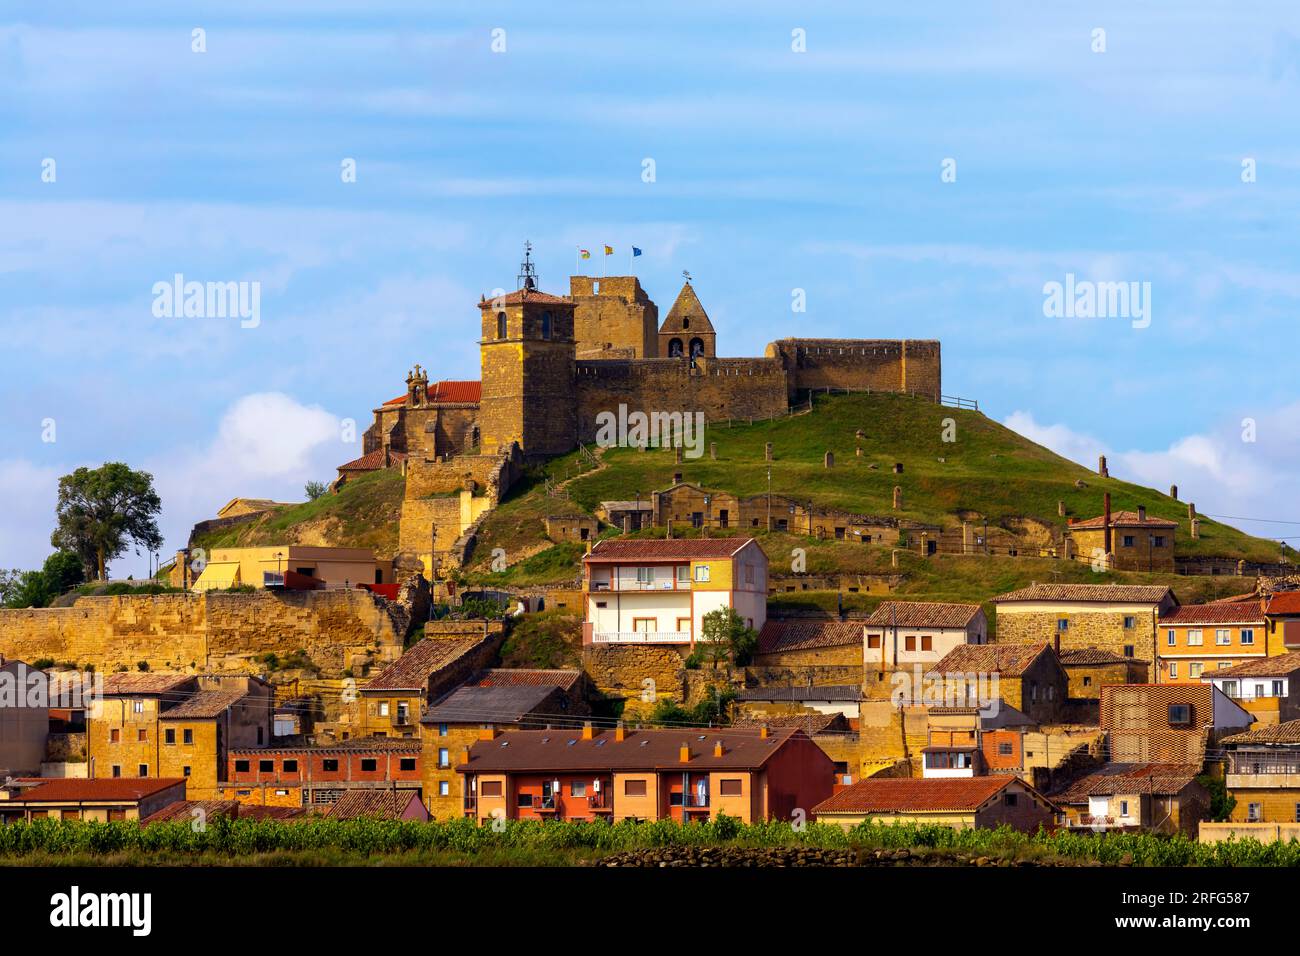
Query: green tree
(101, 509)
(725, 634)
(63, 570)
(314, 489)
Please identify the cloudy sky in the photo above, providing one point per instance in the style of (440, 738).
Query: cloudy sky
(476, 126)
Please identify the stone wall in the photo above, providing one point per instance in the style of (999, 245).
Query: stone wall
(1101, 629)
(614, 313)
(621, 671)
(908, 365)
(338, 629)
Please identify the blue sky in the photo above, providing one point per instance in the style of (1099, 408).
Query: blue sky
(775, 170)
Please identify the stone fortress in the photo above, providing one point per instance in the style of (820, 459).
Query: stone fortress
(551, 364)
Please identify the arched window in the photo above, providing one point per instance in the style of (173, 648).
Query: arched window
(697, 347)
(675, 348)
(501, 325)
(686, 322)
(546, 325)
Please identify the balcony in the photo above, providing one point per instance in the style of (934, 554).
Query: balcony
(627, 584)
(641, 637)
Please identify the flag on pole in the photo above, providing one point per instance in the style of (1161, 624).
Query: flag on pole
(636, 251)
(609, 250)
(585, 253)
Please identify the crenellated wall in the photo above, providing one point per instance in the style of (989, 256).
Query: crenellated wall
(886, 365)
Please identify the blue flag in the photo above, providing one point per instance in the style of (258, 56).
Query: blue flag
(636, 251)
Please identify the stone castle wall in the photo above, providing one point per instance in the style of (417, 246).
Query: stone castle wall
(613, 315)
(174, 632)
(885, 365)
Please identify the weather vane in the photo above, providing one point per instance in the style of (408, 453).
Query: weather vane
(687, 275)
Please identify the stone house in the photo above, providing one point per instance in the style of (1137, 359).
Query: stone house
(1089, 668)
(1131, 540)
(1162, 798)
(904, 633)
(985, 801)
(1028, 677)
(798, 642)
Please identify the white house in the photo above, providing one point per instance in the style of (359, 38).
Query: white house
(658, 591)
(901, 633)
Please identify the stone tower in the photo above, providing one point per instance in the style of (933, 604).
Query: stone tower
(613, 318)
(687, 330)
(527, 354)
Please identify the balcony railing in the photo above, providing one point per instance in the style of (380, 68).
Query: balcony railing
(641, 637)
(631, 585)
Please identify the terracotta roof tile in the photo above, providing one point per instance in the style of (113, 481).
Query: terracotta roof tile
(508, 704)
(810, 724)
(922, 614)
(411, 671)
(1097, 593)
(1279, 666)
(1118, 778)
(614, 549)
(535, 677)
(1284, 602)
(524, 295)
(1009, 659)
(1127, 519)
(1287, 732)
(203, 705)
(778, 636)
(1226, 613)
(914, 795)
(840, 692)
(565, 750)
(384, 804)
(129, 683)
(372, 461)
(353, 745)
(1080, 656)
(453, 393)
(98, 789)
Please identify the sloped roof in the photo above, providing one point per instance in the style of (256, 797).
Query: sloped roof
(502, 704)
(810, 724)
(96, 789)
(1009, 659)
(1287, 732)
(837, 692)
(372, 461)
(1162, 779)
(524, 295)
(204, 705)
(1125, 518)
(1279, 666)
(183, 810)
(1284, 602)
(1095, 593)
(922, 614)
(686, 306)
(799, 635)
(385, 804)
(144, 684)
(649, 549)
(528, 676)
(918, 795)
(1081, 656)
(565, 750)
(451, 393)
(1232, 612)
(411, 671)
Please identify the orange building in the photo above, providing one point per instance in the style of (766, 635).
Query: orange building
(1197, 639)
(682, 775)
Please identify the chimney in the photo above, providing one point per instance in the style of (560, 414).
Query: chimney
(684, 754)
(1105, 540)
(619, 732)
(717, 748)
(487, 732)
(1142, 513)
(587, 731)
(762, 731)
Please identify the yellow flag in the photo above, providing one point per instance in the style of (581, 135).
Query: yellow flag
(609, 250)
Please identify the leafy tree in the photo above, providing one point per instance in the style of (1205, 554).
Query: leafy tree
(314, 489)
(725, 634)
(101, 509)
(63, 571)
(29, 589)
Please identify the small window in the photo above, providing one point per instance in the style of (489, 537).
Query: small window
(1222, 636)
(1006, 749)
(1063, 624)
(114, 736)
(185, 771)
(1087, 681)
(873, 640)
(546, 325)
(290, 766)
(909, 643)
(1277, 688)
(1194, 637)
(444, 788)
(266, 766)
(169, 736)
(329, 765)
(1130, 621)
(137, 707)
(117, 770)
(1173, 669)
(1180, 715)
(1247, 636)
(1297, 813)
(383, 708)
(501, 325)
(927, 643)
(524, 800)
(577, 789)
(369, 764)
(490, 788)
(442, 730)
(1010, 799)
(143, 770)
(187, 735)
(444, 757)
(1128, 650)
(406, 763)
(702, 572)
(142, 735)
(730, 787)
(1195, 668)
(1123, 808)
(1171, 638)
(241, 766)
(634, 788)
(1255, 812)
(1128, 541)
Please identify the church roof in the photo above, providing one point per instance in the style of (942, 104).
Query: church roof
(524, 295)
(687, 306)
(466, 393)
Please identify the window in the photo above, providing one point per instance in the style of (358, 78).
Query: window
(1123, 808)
(1087, 681)
(1128, 541)
(490, 788)
(702, 572)
(1130, 621)
(169, 736)
(1006, 749)
(185, 771)
(289, 766)
(1277, 688)
(1062, 624)
(730, 787)
(241, 766)
(1230, 688)
(406, 763)
(501, 325)
(1128, 650)
(137, 707)
(634, 788)
(1160, 541)
(368, 765)
(927, 643)
(442, 730)
(1247, 636)
(523, 800)
(645, 575)
(143, 770)
(1195, 669)
(749, 574)
(444, 788)
(1180, 715)
(577, 789)
(1173, 669)
(444, 757)
(117, 771)
(1010, 799)
(330, 765)
(1255, 812)
(1194, 637)
(1223, 636)
(114, 736)
(1172, 638)
(683, 574)
(909, 643)
(1297, 813)
(142, 735)
(383, 708)
(187, 735)
(873, 640)
(546, 325)
(266, 766)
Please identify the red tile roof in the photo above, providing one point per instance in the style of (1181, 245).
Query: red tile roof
(1287, 732)
(652, 549)
(1162, 779)
(128, 683)
(1284, 602)
(1009, 659)
(514, 677)
(922, 614)
(206, 704)
(412, 670)
(1125, 518)
(384, 804)
(372, 461)
(547, 751)
(810, 724)
(1091, 593)
(97, 789)
(1279, 666)
(524, 295)
(904, 795)
(1227, 613)
(456, 393)
(183, 810)
(1083, 656)
(778, 636)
